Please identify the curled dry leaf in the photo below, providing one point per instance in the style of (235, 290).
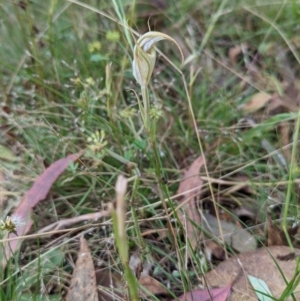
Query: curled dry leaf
(83, 284)
(139, 268)
(276, 236)
(211, 248)
(234, 53)
(33, 196)
(189, 187)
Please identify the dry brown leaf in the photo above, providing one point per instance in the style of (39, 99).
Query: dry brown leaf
(83, 284)
(189, 187)
(110, 285)
(211, 248)
(212, 294)
(276, 236)
(258, 263)
(280, 104)
(152, 286)
(234, 52)
(257, 102)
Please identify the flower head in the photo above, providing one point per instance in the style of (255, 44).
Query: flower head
(144, 55)
(11, 223)
(113, 36)
(96, 142)
(94, 46)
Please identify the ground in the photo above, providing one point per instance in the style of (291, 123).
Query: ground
(208, 147)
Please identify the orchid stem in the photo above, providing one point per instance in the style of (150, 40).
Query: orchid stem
(146, 103)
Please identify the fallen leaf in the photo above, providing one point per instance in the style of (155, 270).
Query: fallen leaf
(260, 264)
(151, 287)
(276, 236)
(83, 284)
(257, 102)
(33, 196)
(213, 294)
(211, 248)
(281, 104)
(110, 285)
(234, 53)
(139, 268)
(243, 211)
(189, 187)
(261, 288)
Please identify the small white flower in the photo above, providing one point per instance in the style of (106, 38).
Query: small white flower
(17, 220)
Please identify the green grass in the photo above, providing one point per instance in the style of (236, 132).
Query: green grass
(56, 93)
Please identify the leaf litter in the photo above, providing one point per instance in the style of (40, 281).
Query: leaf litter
(261, 263)
(188, 189)
(214, 294)
(83, 284)
(33, 196)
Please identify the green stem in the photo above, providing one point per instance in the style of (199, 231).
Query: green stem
(132, 283)
(293, 165)
(146, 103)
(122, 245)
(142, 245)
(162, 189)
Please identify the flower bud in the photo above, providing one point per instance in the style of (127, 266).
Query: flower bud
(144, 55)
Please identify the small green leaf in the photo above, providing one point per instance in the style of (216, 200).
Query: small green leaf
(98, 58)
(128, 155)
(7, 154)
(139, 144)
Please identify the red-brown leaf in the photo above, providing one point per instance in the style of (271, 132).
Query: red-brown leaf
(33, 196)
(214, 294)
